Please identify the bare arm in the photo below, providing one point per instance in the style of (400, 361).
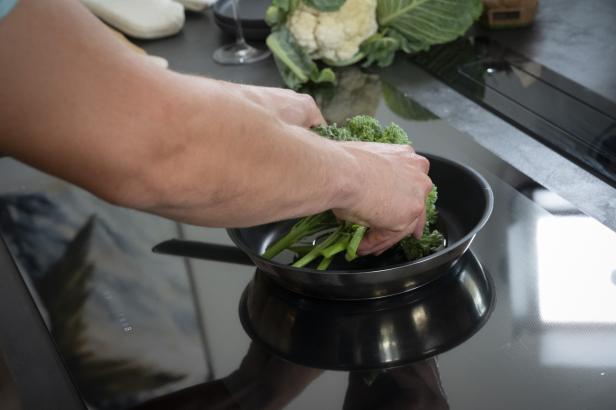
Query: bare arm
(77, 104)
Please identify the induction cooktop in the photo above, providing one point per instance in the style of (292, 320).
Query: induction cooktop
(575, 121)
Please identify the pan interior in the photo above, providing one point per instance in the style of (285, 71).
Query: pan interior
(461, 204)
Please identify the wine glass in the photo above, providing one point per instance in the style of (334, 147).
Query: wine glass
(239, 52)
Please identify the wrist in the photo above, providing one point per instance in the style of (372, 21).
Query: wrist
(346, 179)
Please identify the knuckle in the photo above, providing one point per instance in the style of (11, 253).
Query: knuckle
(423, 163)
(428, 189)
(414, 211)
(307, 99)
(410, 228)
(289, 92)
(421, 208)
(426, 181)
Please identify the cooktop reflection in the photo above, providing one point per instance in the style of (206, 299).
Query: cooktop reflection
(372, 334)
(389, 346)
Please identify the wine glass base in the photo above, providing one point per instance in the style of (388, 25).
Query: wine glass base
(239, 53)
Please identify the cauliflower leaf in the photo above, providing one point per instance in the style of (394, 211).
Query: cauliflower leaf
(418, 24)
(294, 64)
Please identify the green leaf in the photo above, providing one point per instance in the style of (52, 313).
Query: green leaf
(325, 5)
(422, 23)
(295, 65)
(404, 106)
(379, 49)
(325, 75)
(278, 11)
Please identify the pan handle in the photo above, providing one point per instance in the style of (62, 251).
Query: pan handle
(203, 250)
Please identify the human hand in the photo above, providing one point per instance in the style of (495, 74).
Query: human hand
(266, 382)
(390, 196)
(287, 105)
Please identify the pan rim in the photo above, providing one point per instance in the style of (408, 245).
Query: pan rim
(487, 212)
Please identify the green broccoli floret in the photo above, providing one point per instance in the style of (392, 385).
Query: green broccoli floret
(333, 132)
(431, 213)
(432, 239)
(429, 243)
(348, 236)
(364, 128)
(393, 134)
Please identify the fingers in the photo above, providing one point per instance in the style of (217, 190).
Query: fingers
(394, 191)
(298, 109)
(421, 163)
(381, 148)
(378, 241)
(312, 112)
(287, 105)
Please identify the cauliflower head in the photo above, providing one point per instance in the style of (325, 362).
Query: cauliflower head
(337, 35)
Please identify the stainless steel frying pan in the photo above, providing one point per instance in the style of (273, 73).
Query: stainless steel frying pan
(464, 205)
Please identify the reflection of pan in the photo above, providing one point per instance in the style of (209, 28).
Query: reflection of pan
(464, 205)
(369, 334)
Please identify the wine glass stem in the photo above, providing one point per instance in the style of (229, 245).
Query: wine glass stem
(239, 32)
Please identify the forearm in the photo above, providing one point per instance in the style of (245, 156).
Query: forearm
(251, 167)
(68, 93)
(193, 149)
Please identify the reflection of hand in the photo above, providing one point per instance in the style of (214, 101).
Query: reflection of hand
(390, 197)
(262, 382)
(286, 105)
(265, 382)
(416, 387)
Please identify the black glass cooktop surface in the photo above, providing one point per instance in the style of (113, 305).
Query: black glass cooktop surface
(527, 321)
(566, 116)
(131, 325)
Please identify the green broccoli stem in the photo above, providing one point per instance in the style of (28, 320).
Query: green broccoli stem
(301, 250)
(304, 227)
(283, 243)
(358, 235)
(324, 264)
(340, 245)
(316, 251)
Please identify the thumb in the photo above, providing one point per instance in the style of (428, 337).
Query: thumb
(371, 240)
